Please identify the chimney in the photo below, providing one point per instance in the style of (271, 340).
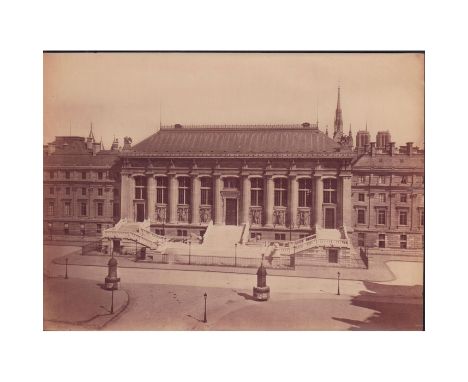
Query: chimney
(96, 148)
(372, 148)
(409, 148)
(366, 148)
(392, 148)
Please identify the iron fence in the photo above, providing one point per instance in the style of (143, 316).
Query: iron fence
(93, 247)
(241, 262)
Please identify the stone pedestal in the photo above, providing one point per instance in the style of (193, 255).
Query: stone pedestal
(112, 281)
(261, 293)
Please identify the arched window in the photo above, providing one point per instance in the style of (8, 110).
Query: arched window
(329, 190)
(281, 192)
(161, 190)
(140, 187)
(206, 191)
(256, 192)
(184, 190)
(305, 198)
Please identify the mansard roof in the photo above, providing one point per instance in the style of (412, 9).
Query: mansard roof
(246, 140)
(387, 162)
(105, 158)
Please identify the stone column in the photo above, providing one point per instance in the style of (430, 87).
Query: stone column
(218, 203)
(131, 197)
(245, 199)
(151, 198)
(195, 199)
(346, 209)
(318, 201)
(269, 200)
(293, 200)
(173, 198)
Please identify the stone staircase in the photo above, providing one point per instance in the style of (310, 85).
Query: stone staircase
(223, 235)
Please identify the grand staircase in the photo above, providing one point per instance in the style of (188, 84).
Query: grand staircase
(220, 236)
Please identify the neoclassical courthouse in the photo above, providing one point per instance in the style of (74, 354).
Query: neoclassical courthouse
(284, 181)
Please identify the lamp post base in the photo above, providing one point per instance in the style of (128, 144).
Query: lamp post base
(261, 293)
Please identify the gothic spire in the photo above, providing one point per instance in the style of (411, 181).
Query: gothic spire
(91, 134)
(338, 127)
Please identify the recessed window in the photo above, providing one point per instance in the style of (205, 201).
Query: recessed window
(361, 239)
(83, 174)
(256, 192)
(206, 191)
(83, 209)
(381, 240)
(115, 210)
(404, 179)
(140, 187)
(382, 198)
(100, 175)
(280, 236)
(99, 191)
(67, 191)
(98, 228)
(403, 218)
(403, 241)
(361, 197)
(161, 190)
(67, 209)
(305, 199)
(83, 191)
(67, 174)
(281, 192)
(381, 217)
(403, 198)
(182, 232)
(184, 190)
(329, 190)
(361, 217)
(51, 209)
(100, 209)
(51, 174)
(51, 190)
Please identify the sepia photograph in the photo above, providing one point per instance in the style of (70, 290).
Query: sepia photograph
(233, 191)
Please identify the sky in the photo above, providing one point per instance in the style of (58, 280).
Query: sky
(131, 94)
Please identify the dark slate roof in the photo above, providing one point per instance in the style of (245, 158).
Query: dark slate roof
(248, 140)
(387, 161)
(103, 159)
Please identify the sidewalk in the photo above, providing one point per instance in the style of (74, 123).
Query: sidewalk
(74, 304)
(379, 271)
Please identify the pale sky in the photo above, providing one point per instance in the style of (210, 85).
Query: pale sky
(127, 94)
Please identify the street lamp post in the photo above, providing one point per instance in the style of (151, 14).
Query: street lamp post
(204, 317)
(190, 251)
(112, 301)
(49, 225)
(235, 254)
(338, 284)
(66, 268)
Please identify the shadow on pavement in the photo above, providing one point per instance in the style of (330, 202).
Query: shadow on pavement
(396, 307)
(246, 296)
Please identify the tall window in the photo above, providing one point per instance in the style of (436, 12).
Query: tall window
(403, 198)
(381, 217)
(184, 190)
(361, 239)
(83, 174)
(51, 209)
(206, 191)
(403, 241)
(51, 190)
(67, 209)
(231, 183)
(361, 217)
(403, 218)
(421, 220)
(140, 187)
(281, 192)
(100, 176)
(329, 190)
(361, 197)
(98, 228)
(100, 209)
(404, 179)
(115, 192)
(99, 191)
(51, 174)
(305, 186)
(67, 174)
(382, 240)
(382, 198)
(256, 192)
(83, 191)
(381, 179)
(161, 190)
(67, 191)
(115, 210)
(83, 209)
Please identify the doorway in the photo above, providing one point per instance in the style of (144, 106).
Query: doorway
(140, 212)
(231, 211)
(330, 218)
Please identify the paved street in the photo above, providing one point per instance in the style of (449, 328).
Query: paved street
(173, 300)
